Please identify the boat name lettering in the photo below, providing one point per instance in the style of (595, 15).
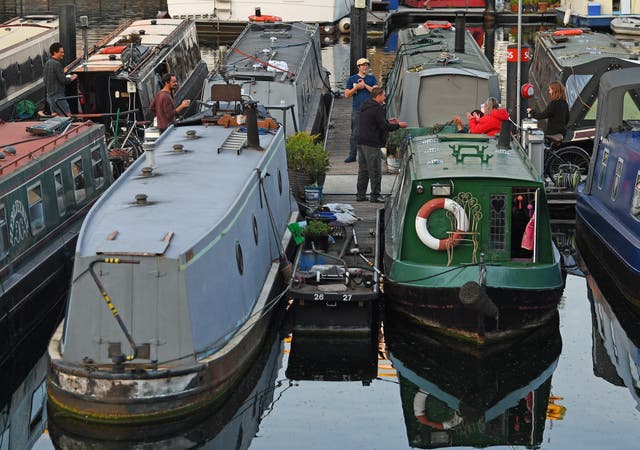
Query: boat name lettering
(433, 150)
(18, 223)
(503, 151)
(434, 162)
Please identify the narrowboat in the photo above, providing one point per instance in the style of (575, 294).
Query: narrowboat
(437, 76)
(615, 331)
(608, 207)
(24, 49)
(50, 174)
(578, 59)
(278, 65)
(451, 398)
(468, 248)
(122, 73)
(175, 278)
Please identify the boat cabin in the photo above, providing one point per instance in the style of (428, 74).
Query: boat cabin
(432, 80)
(50, 175)
(123, 72)
(24, 49)
(577, 59)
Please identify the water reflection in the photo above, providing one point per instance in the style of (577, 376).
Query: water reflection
(616, 337)
(233, 425)
(453, 396)
(331, 357)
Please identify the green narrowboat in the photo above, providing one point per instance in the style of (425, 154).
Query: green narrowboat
(50, 174)
(468, 248)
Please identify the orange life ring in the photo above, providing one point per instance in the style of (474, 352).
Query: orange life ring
(462, 223)
(113, 50)
(265, 18)
(434, 24)
(567, 32)
(420, 411)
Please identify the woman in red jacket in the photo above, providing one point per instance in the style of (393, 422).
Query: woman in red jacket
(492, 120)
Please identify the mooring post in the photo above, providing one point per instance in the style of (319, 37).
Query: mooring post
(358, 45)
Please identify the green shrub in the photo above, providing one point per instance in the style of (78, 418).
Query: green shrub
(306, 154)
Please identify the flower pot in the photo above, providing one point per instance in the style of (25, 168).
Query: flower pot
(321, 243)
(297, 181)
(543, 6)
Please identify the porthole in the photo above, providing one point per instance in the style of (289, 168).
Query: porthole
(255, 229)
(280, 181)
(239, 259)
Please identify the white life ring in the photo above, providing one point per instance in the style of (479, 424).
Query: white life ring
(420, 411)
(462, 223)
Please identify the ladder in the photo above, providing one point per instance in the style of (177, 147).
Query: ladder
(235, 141)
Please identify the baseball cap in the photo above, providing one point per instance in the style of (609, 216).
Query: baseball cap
(362, 61)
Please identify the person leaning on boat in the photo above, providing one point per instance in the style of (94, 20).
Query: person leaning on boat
(556, 112)
(372, 135)
(491, 122)
(359, 87)
(163, 105)
(55, 81)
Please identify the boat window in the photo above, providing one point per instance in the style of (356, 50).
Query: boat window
(603, 168)
(631, 111)
(79, 189)
(239, 258)
(574, 86)
(635, 200)
(37, 405)
(97, 167)
(255, 229)
(497, 222)
(616, 180)
(4, 236)
(36, 208)
(57, 177)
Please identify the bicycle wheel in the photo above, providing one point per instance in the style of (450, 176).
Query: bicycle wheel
(129, 150)
(565, 160)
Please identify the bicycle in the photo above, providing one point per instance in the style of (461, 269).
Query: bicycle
(566, 166)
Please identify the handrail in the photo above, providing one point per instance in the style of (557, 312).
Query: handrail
(41, 149)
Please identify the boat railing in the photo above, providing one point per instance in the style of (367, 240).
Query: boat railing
(43, 148)
(473, 212)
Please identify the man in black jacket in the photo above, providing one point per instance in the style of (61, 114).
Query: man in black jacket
(372, 135)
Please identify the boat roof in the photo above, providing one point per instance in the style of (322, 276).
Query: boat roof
(152, 33)
(20, 29)
(21, 148)
(435, 157)
(289, 43)
(576, 50)
(118, 225)
(427, 49)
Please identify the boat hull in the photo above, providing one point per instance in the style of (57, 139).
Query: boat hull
(441, 310)
(605, 263)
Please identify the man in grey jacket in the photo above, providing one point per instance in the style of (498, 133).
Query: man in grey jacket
(55, 80)
(373, 135)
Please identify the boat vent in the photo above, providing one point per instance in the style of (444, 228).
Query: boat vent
(147, 171)
(141, 199)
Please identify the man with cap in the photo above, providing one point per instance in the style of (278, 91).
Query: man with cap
(359, 87)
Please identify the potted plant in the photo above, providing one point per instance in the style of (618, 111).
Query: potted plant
(307, 162)
(317, 233)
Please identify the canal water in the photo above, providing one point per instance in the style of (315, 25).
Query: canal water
(573, 384)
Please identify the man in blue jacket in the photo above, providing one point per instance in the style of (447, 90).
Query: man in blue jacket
(359, 88)
(373, 135)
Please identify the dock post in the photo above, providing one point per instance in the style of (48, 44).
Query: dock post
(358, 47)
(68, 32)
(513, 89)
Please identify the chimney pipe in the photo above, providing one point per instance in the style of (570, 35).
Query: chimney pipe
(251, 111)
